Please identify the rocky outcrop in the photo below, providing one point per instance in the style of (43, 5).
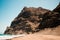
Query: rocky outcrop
(32, 20)
(50, 19)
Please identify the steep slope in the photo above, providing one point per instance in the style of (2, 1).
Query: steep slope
(51, 19)
(26, 21)
(57, 9)
(32, 20)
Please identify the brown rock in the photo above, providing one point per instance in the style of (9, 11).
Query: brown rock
(33, 19)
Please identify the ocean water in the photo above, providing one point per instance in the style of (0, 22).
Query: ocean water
(6, 36)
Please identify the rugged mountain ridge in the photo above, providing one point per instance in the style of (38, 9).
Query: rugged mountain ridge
(32, 20)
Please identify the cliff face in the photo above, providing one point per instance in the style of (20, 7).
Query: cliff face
(32, 20)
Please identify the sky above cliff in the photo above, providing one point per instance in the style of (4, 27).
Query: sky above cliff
(9, 9)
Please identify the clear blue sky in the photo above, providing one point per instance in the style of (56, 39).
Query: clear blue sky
(9, 9)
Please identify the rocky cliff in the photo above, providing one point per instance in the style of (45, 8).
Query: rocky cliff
(32, 20)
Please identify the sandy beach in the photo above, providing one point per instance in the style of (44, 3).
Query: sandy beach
(37, 37)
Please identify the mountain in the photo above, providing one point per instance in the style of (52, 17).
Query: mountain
(32, 20)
